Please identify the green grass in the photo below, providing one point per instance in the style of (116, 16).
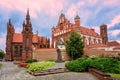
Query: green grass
(39, 66)
(0, 65)
(115, 75)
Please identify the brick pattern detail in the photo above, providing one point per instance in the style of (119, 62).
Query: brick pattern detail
(104, 34)
(49, 54)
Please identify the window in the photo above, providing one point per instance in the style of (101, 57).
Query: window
(61, 26)
(44, 46)
(27, 43)
(20, 50)
(40, 46)
(16, 49)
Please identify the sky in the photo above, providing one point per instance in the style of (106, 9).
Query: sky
(45, 14)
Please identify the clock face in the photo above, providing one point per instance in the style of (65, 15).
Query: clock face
(27, 29)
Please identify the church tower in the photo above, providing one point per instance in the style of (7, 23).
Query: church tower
(9, 38)
(103, 33)
(27, 38)
(77, 20)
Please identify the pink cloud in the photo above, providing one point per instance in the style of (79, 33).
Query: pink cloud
(114, 21)
(39, 6)
(72, 11)
(118, 41)
(114, 32)
(97, 29)
(111, 2)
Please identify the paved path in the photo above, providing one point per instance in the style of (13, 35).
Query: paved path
(58, 65)
(9, 71)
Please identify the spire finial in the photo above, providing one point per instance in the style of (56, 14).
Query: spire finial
(28, 17)
(9, 21)
(28, 11)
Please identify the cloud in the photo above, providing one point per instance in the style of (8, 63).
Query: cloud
(97, 29)
(18, 30)
(114, 32)
(71, 12)
(2, 41)
(118, 41)
(114, 21)
(115, 27)
(50, 7)
(111, 2)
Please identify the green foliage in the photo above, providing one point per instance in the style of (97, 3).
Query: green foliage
(74, 46)
(1, 54)
(31, 60)
(108, 65)
(0, 66)
(51, 60)
(39, 66)
(115, 75)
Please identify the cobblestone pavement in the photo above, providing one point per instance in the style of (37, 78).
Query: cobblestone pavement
(9, 71)
(58, 65)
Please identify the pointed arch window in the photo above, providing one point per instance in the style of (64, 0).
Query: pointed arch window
(27, 43)
(16, 49)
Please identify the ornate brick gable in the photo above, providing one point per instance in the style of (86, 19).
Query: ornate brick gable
(64, 28)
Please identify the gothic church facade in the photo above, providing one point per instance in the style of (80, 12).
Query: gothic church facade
(64, 27)
(20, 46)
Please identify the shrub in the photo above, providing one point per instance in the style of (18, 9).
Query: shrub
(0, 66)
(74, 46)
(31, 60)
(51, 60)
(108, 65)
(39, 66)
(1, 54)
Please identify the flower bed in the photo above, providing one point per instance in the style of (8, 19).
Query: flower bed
(39, 66)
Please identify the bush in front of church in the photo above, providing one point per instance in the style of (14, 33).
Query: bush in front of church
(31, 60)
(74, 46)
(1, 54)
(108, 65)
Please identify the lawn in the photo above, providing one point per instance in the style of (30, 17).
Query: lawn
(0, 65)
(115, 75)
(39, 66)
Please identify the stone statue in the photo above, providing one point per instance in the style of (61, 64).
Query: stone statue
(59, 55)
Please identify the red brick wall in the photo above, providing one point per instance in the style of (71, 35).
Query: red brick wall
(49, 54)
(100, 53)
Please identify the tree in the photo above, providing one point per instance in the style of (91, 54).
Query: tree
(74, 46)
(1, 54)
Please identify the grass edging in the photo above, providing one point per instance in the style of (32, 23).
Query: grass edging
(0, 66)
(114, 75)
(39, 66)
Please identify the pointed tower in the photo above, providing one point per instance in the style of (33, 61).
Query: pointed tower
(77, 20)
(27, 38)
(9, 38)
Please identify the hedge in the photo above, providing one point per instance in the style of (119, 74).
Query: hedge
(108, 65)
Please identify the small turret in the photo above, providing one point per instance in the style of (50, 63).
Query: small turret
(77, 20)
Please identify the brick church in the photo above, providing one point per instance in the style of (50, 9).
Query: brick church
(89, 36)
(20, 46)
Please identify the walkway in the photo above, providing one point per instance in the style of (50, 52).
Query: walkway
(9, 71)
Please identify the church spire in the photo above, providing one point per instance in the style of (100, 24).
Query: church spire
(27, 17)
(9, 22)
